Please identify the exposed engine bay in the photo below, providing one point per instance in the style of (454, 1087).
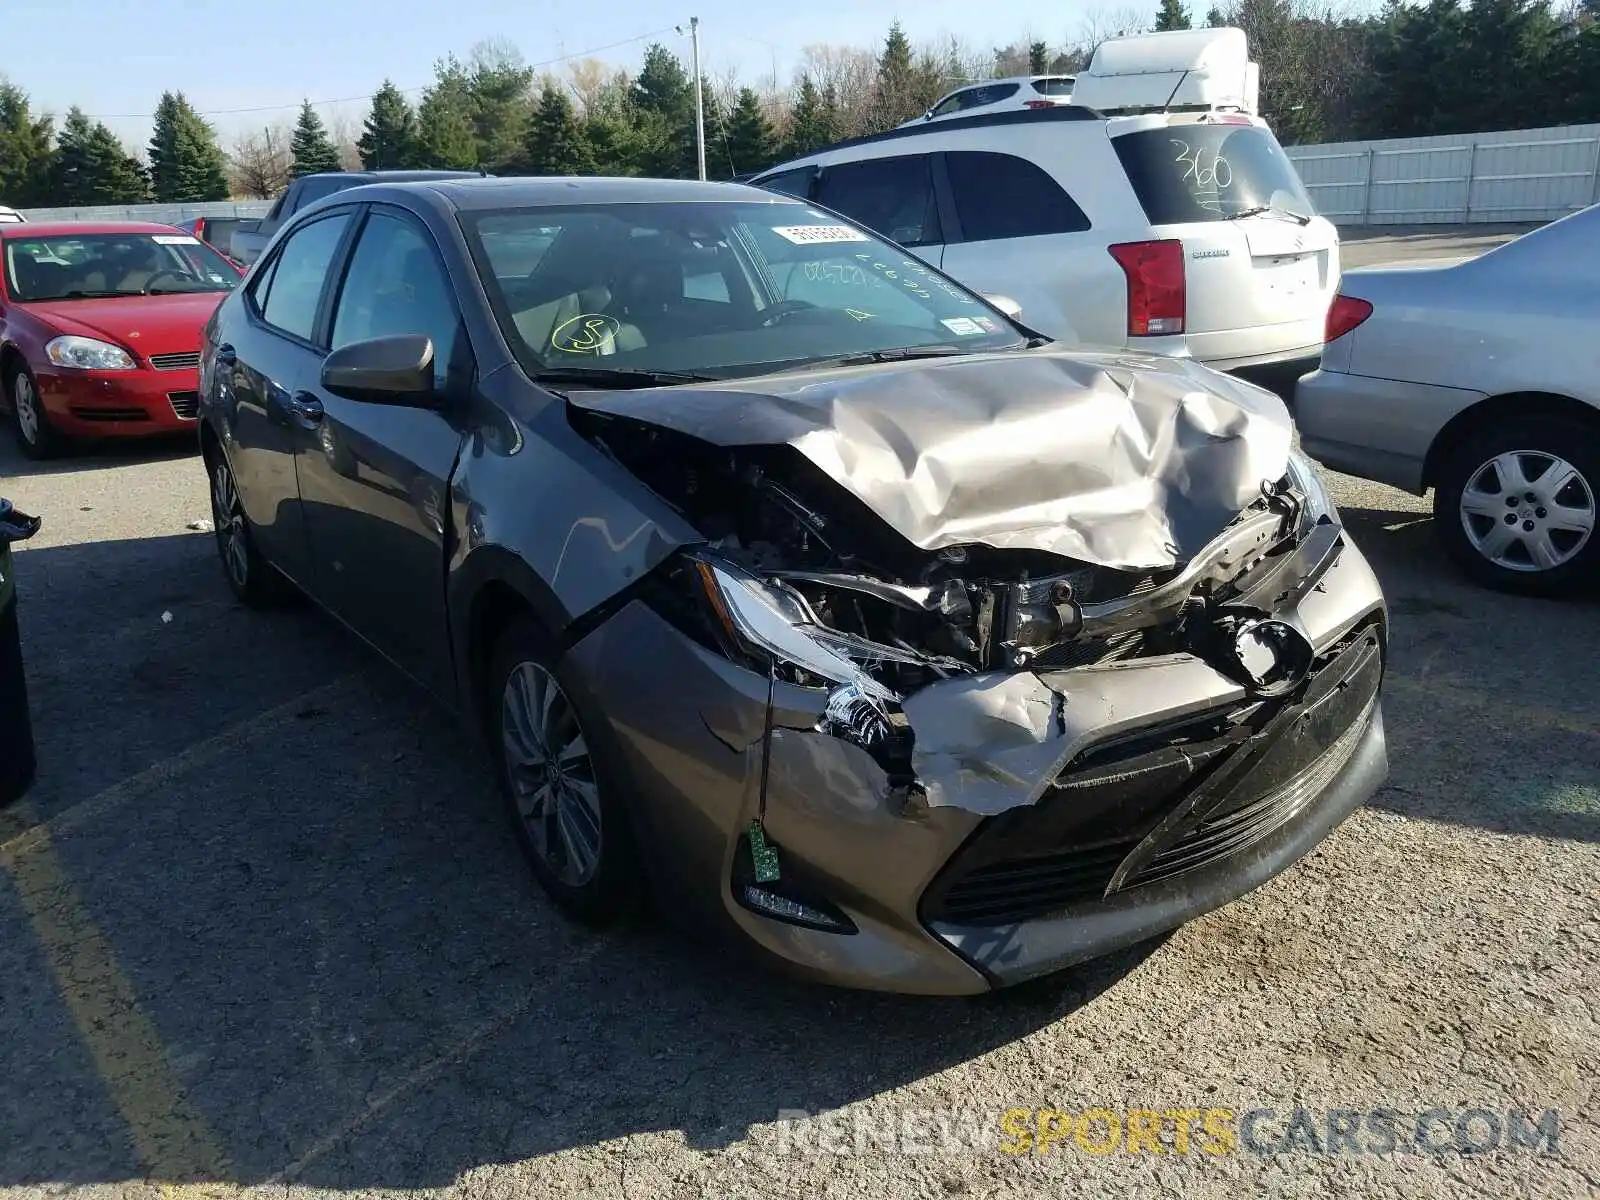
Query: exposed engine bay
(909, 616)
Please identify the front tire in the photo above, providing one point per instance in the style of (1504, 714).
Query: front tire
(31, 424)
(1516, 505)
(561, 795)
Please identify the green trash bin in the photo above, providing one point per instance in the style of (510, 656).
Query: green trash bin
(16, 727)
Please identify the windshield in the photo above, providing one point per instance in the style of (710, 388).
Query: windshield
(1188, 173)
(86, 265)
(720, 289)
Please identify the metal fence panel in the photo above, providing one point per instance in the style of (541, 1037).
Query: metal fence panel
(1512, 175)
(165, 214)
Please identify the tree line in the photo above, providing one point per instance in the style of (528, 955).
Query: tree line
(1445, 66)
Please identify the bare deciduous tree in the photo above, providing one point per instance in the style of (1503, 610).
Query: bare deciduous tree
(261, 163)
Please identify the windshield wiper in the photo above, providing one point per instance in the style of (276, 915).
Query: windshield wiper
(899, 354)
(1260, 209)
(617, 377)
(80, 294)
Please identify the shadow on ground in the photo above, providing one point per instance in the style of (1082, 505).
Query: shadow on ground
(1493, 716)
(92, 456)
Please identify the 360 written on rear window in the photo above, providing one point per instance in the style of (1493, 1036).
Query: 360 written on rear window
(1188, 173)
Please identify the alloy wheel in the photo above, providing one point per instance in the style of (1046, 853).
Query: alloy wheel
(26, 405)
(551, 774)
(1528, 511)
(227, 518)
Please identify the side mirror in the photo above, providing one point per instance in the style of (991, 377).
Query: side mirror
(385, 370)
(1005, 304)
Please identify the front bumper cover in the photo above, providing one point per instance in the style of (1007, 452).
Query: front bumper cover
(706, 757)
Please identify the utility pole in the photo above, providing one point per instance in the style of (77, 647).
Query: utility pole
(699, 100)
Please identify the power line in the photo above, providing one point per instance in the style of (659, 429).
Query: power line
(411, 91)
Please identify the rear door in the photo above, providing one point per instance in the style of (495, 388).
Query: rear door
(1256, 281)
(374, 478)
(1010, 234)
(260, 363)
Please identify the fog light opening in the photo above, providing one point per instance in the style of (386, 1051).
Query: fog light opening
(1273, 656)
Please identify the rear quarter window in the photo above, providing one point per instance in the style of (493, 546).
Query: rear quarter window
(1003, 196)
(1189, 173)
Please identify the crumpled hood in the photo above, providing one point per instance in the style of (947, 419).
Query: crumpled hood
(1117, 460)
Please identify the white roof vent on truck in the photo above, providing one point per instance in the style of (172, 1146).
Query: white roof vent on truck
(1181, 69)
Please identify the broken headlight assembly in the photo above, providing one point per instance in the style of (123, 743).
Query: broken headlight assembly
(770, 626)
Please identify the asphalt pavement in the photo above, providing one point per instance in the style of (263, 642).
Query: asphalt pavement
(262, 930)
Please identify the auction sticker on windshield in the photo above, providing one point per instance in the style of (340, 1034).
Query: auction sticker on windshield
(811, 235)
(175, 239)
(963, 326)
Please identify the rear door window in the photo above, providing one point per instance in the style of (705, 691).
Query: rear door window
(891, 196)
(1060, 85)
(1214, 172)
(1003, 196)
(295, 288)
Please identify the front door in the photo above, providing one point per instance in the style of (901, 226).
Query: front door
(375, 478)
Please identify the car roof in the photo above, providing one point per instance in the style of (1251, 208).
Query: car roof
(69, 228)
(481, 194)
(393, 176)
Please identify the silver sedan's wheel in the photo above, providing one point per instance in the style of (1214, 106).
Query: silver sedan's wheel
(227, 518)
(1528, 511)
(551, 775)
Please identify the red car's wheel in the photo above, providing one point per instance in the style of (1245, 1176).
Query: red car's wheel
(37, 437)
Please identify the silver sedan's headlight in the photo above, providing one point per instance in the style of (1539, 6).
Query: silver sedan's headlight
(88, 354)
(1306, 478)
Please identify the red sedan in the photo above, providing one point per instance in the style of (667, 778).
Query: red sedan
(100, 328)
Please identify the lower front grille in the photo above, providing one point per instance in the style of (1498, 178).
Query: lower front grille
(1065, 850)
(108, 415)
(185, 404)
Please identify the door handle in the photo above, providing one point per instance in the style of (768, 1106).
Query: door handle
(305, 408)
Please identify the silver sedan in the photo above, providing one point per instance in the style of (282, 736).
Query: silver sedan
(1481, 380)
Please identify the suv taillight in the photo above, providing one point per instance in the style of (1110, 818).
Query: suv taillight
(1344, 314)
(200, 228)
(1156, 299)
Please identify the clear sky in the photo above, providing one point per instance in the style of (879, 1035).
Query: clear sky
(113, 58)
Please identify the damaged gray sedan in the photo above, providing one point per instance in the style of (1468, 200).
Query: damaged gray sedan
(793, 583)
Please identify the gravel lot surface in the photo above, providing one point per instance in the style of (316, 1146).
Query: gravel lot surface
(261, 931)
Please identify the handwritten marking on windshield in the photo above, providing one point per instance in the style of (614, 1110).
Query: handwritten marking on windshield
(1218, 175)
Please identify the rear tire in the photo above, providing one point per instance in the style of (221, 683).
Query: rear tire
(29, 421)
(251, 578)
(562, 793)
(1517, 505)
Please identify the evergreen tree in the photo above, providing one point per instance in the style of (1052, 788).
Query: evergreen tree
(186, 164)
(26, 153)
(611, 128)
(444, 119)
(313, 152)
(752, 143)
(556, 143)
(811, 122)
(1215, 18)
(389, 139)
(896, 91)
(662, 99)
(1172, 15)
(91, 167)
(499, 82)
(1039, 58)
